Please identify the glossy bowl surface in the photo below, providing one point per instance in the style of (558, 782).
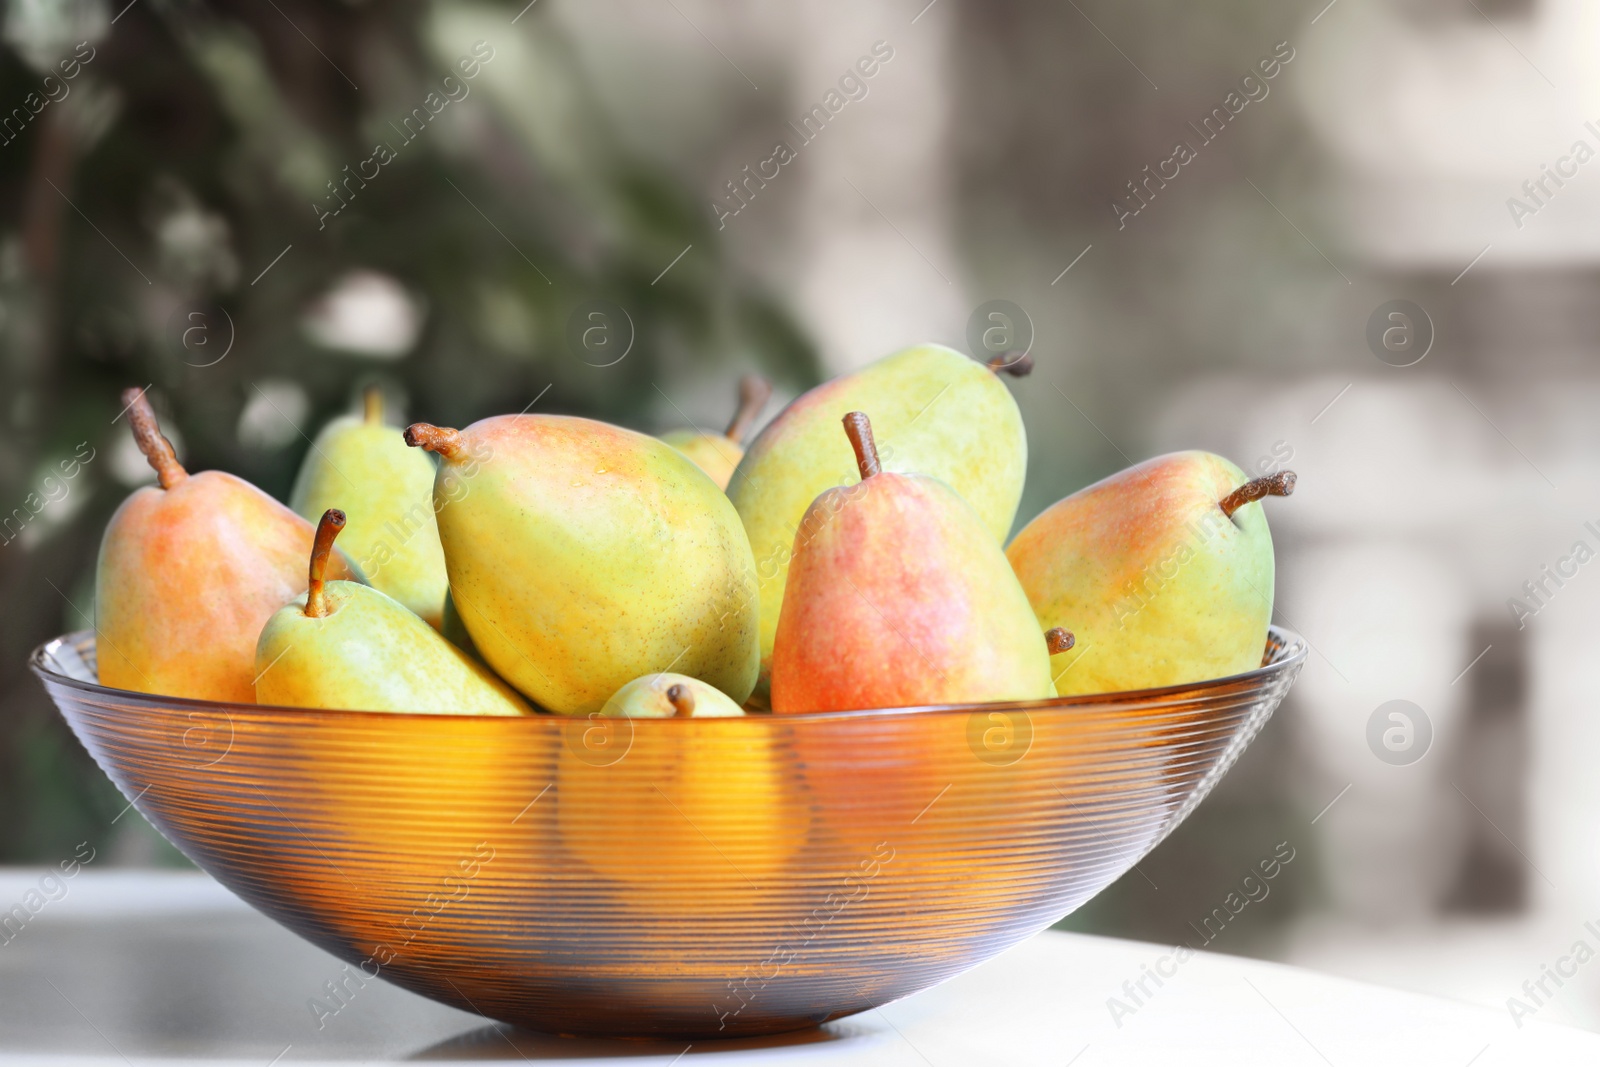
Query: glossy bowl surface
(694, 877)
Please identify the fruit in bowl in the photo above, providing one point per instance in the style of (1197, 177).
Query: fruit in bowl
(1164, 571)
(346, 645)
(189, 571)
(719, 454)
(435, 851)
(572, 808)
(897, 596)
(937, 413)
(363, 467)
(720, 813)
(583, 555)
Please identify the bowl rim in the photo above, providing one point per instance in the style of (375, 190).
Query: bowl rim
(1294, 650)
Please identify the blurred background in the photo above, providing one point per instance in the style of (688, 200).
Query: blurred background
(1358, 239)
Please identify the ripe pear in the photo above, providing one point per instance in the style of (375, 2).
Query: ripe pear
(937, 413)
(899, 596)
(188, 573)
(387, 489)
(680, 818)
(582, 555)
(719, 454)
(352, 647)
(670, 696)
(1164, 571)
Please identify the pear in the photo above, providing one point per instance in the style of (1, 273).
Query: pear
(387, 489)
(899, 595)
(668, 696)
(352, 647)
(711, 819)
(936, 411)
(719, 454)
(1165, 571)
(582, 556)
(188, 573)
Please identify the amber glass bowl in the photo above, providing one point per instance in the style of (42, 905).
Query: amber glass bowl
(686, 877)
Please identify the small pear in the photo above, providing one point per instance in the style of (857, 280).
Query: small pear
(899, 596)
(719, 454)
(583, 555)
(711, 821)
(351, 647)
(935, 411)
(188, 573)
(669, 696)
(365, 467)
(1164, 570)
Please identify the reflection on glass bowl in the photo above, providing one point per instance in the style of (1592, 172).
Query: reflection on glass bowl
(682, 877)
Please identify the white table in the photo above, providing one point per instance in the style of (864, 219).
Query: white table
(135, 968)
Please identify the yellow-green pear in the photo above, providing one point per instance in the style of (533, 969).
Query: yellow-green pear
(349, 646)
(583, 555)
(709, 823)
(1163, 571)
(935, 412)
(364, 466)
(670, 696)
(718, 454)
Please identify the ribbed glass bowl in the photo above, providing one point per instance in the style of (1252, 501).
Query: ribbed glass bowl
(685, 877)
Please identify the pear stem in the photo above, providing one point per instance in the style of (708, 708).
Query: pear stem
(327, 529)
(1058, 640)
(440, 439)
(681, 699)
(372, 406)
(754, 392)
(147, 434)
(1280, 484)
(859, 430)
(1019, 367)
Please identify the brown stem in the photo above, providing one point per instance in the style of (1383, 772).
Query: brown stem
(681, 699)
(754, 392)
(372, 406)
(147, 434)
(440, 439)
(1018, 367)
(859, 430)
(1280, 484)
(332, 522)
(1058, 640)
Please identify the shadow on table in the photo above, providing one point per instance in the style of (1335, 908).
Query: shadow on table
(497, 1041)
